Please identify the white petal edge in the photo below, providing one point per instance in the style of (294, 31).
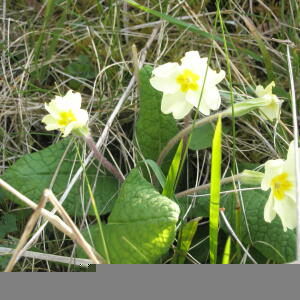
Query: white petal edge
(269, 212)
(167, 85)
(287, 211)
(272, 169)
(176, 105)
(73, 99)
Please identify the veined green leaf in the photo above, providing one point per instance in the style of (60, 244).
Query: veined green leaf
(268, 238)
(34, 172)
(141, 227)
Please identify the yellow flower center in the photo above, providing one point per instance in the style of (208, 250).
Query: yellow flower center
(66, 117)
(188, 81)
(280, 185)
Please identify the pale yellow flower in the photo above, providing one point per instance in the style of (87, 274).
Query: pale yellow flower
(66, 115)
(182, 85)
(280, 177)
(270, 111)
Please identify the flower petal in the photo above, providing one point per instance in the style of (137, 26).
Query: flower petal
(166, 70)
(269, 87)
(51, 123)
(81, 116)
(260, 91)
(269, 212)
(212, 97)
(213, 77)
(176, 105)
(289, 165)
(53, 108)
(193, 62)
(193, 97)
(271, 111)
(73, 99)
(164, 78)
(272, 169)
(167, 85)
(68, 129)
(287, 211)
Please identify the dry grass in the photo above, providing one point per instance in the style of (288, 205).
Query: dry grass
(38, 46)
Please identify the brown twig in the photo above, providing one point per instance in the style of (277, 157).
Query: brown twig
(67, 229)
(27, 231)
(78, 237)
(55, 220)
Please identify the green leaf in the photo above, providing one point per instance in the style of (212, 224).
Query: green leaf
(268, 238)
(202, 137)
(215, 192)
(187, 233)
(157, 171)
(32, 173)
(153, 129)
(141, 227)
(7, 225)
(173, 173)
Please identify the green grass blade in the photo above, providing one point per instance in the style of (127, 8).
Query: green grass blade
(186, 236)
(170, 185)
(226, 255)
(215, 192)
(157, 171)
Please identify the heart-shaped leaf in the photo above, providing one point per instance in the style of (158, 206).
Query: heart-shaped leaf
(268, 238)
(141, 227)
(32, 173)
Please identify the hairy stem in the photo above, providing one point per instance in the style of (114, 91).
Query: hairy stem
(103, 161)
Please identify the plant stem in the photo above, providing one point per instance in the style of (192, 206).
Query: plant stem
(207, 186)
(103, 161)
(184, 132)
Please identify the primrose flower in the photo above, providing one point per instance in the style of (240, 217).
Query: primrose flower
(66, 115)
(270, 111)
(280, 176)
(182, 84)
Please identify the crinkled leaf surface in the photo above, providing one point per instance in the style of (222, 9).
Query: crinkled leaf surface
(153, 129)
(268, 238)
(32, 173)
(142, 224)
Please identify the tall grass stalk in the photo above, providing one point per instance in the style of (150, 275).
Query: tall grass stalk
(215, 192)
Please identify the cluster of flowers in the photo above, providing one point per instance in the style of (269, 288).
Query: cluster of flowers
(192, 83)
